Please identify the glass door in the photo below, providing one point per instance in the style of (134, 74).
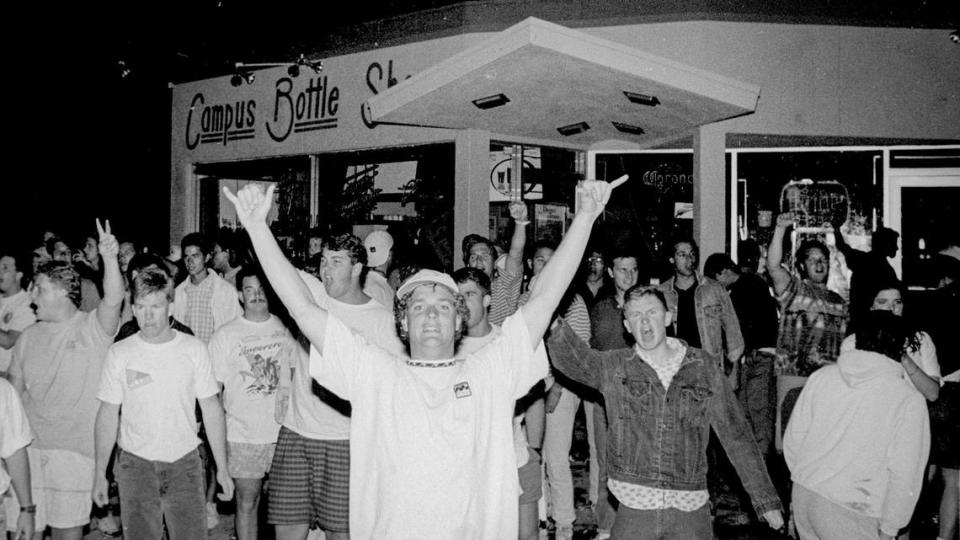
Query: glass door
(924, 207)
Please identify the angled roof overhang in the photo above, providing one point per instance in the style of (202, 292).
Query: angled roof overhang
(544, 81)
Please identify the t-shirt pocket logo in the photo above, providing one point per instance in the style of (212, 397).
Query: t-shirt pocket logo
(462, 390)
(136, 379)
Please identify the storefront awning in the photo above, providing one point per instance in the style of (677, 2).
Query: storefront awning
(541, 80)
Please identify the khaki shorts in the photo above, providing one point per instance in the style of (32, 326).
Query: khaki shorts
(246, 460)
(62, 485)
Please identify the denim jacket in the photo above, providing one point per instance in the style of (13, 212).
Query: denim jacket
(658, 438)
(716, 317)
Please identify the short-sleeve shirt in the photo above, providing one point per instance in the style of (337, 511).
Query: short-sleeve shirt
(14, 429)
(157, 384)
(316, 418)
(925, 356)
(60, 364)
(16, 315)
(504, 296)
(432, 438)
(812, 327)
(249, 358)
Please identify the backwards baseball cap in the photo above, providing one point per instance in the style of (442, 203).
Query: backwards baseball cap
(378, 244)
(427, 277)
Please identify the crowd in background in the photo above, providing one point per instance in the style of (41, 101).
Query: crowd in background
(694, 387)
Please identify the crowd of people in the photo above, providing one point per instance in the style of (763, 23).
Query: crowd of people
(366, 395)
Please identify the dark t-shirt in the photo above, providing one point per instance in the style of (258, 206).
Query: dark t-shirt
(756, 310)
(687, 328)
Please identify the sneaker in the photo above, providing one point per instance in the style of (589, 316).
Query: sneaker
(109, 525)
(213, 518)
(564, 533)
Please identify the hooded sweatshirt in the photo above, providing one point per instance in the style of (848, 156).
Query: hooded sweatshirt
(859, 436)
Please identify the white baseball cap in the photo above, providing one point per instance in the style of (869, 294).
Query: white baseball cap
(425, 277)
(378, 244)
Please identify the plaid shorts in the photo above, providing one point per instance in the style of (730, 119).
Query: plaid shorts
(246, 460)
(309, 482)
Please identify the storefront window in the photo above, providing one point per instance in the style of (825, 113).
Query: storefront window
(548, 178)
(650, 210)
(818, 187)
(291, 209)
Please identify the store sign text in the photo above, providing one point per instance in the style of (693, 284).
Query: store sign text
(311, 109)
(219, 123)
(294, 111)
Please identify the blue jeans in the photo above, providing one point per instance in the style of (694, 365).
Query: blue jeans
(662, 524)
(154, 492)
(758, 396)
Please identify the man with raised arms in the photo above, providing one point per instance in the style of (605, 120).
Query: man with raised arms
(431, 436)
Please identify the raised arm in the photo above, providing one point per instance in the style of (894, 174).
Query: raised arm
(108, 311)
(546, 292)
(778, 275)
(514, 263)
(252, 208)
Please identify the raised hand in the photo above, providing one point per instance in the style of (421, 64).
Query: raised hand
(785, 220)
(252, 203)
(774, 519)
(592, 195)
(109, 247)
(518, 211)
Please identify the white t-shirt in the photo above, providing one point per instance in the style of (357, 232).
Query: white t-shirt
(307, 414)
(378, 288)
(249, 359)
(431, 443)
(925, 357)
(470, 345)
(16, 315)
(60, 365)
(158, 385)
(14, 430)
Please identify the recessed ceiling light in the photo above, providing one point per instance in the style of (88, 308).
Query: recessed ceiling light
(573, 129)
(490, 102)
(642, 99)
(628, 128)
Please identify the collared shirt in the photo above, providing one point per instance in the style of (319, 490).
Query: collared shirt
(199, 316)
(647, 498)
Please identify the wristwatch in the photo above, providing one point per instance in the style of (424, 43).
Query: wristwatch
(29, 509)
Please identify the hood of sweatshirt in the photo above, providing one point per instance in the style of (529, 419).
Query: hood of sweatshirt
(858, 368)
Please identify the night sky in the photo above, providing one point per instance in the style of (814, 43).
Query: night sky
(85, 141)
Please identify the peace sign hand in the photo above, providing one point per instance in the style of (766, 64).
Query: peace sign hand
(108, 245)
(252, 203)
(592, 195)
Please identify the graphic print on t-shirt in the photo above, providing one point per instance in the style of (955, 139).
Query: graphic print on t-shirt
(462, 390)
(136, 379)
(264, 369)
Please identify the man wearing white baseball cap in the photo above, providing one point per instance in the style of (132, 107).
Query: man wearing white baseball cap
(431, 439)
(379, 246)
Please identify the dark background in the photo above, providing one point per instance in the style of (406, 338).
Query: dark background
(82, 140)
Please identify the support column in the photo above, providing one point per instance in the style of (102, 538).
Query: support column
(709, 189)
(471, 192)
